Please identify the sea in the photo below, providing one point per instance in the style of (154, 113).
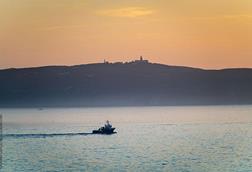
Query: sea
(167, 138)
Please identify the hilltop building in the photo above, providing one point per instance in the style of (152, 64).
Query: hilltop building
(141, 60)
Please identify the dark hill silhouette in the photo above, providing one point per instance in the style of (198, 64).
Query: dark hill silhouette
(128, 84)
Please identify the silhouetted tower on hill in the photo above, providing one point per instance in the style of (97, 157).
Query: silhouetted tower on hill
(141, 58)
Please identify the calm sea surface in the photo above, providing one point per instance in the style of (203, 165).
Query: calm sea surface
(174, 139)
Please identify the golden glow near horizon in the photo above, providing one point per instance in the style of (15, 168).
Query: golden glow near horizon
(126, 12)
(206, 34)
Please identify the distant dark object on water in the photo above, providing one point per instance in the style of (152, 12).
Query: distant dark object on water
(107, 129)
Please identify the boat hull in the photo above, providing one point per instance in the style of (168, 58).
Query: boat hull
(104, 131)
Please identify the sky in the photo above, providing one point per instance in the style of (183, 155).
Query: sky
(198, 33)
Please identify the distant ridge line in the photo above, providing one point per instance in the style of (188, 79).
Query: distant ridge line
(122, 63)
(124, 84)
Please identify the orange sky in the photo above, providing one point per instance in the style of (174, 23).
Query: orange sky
(207, 34)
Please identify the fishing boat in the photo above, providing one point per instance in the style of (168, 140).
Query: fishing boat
(106, 129)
